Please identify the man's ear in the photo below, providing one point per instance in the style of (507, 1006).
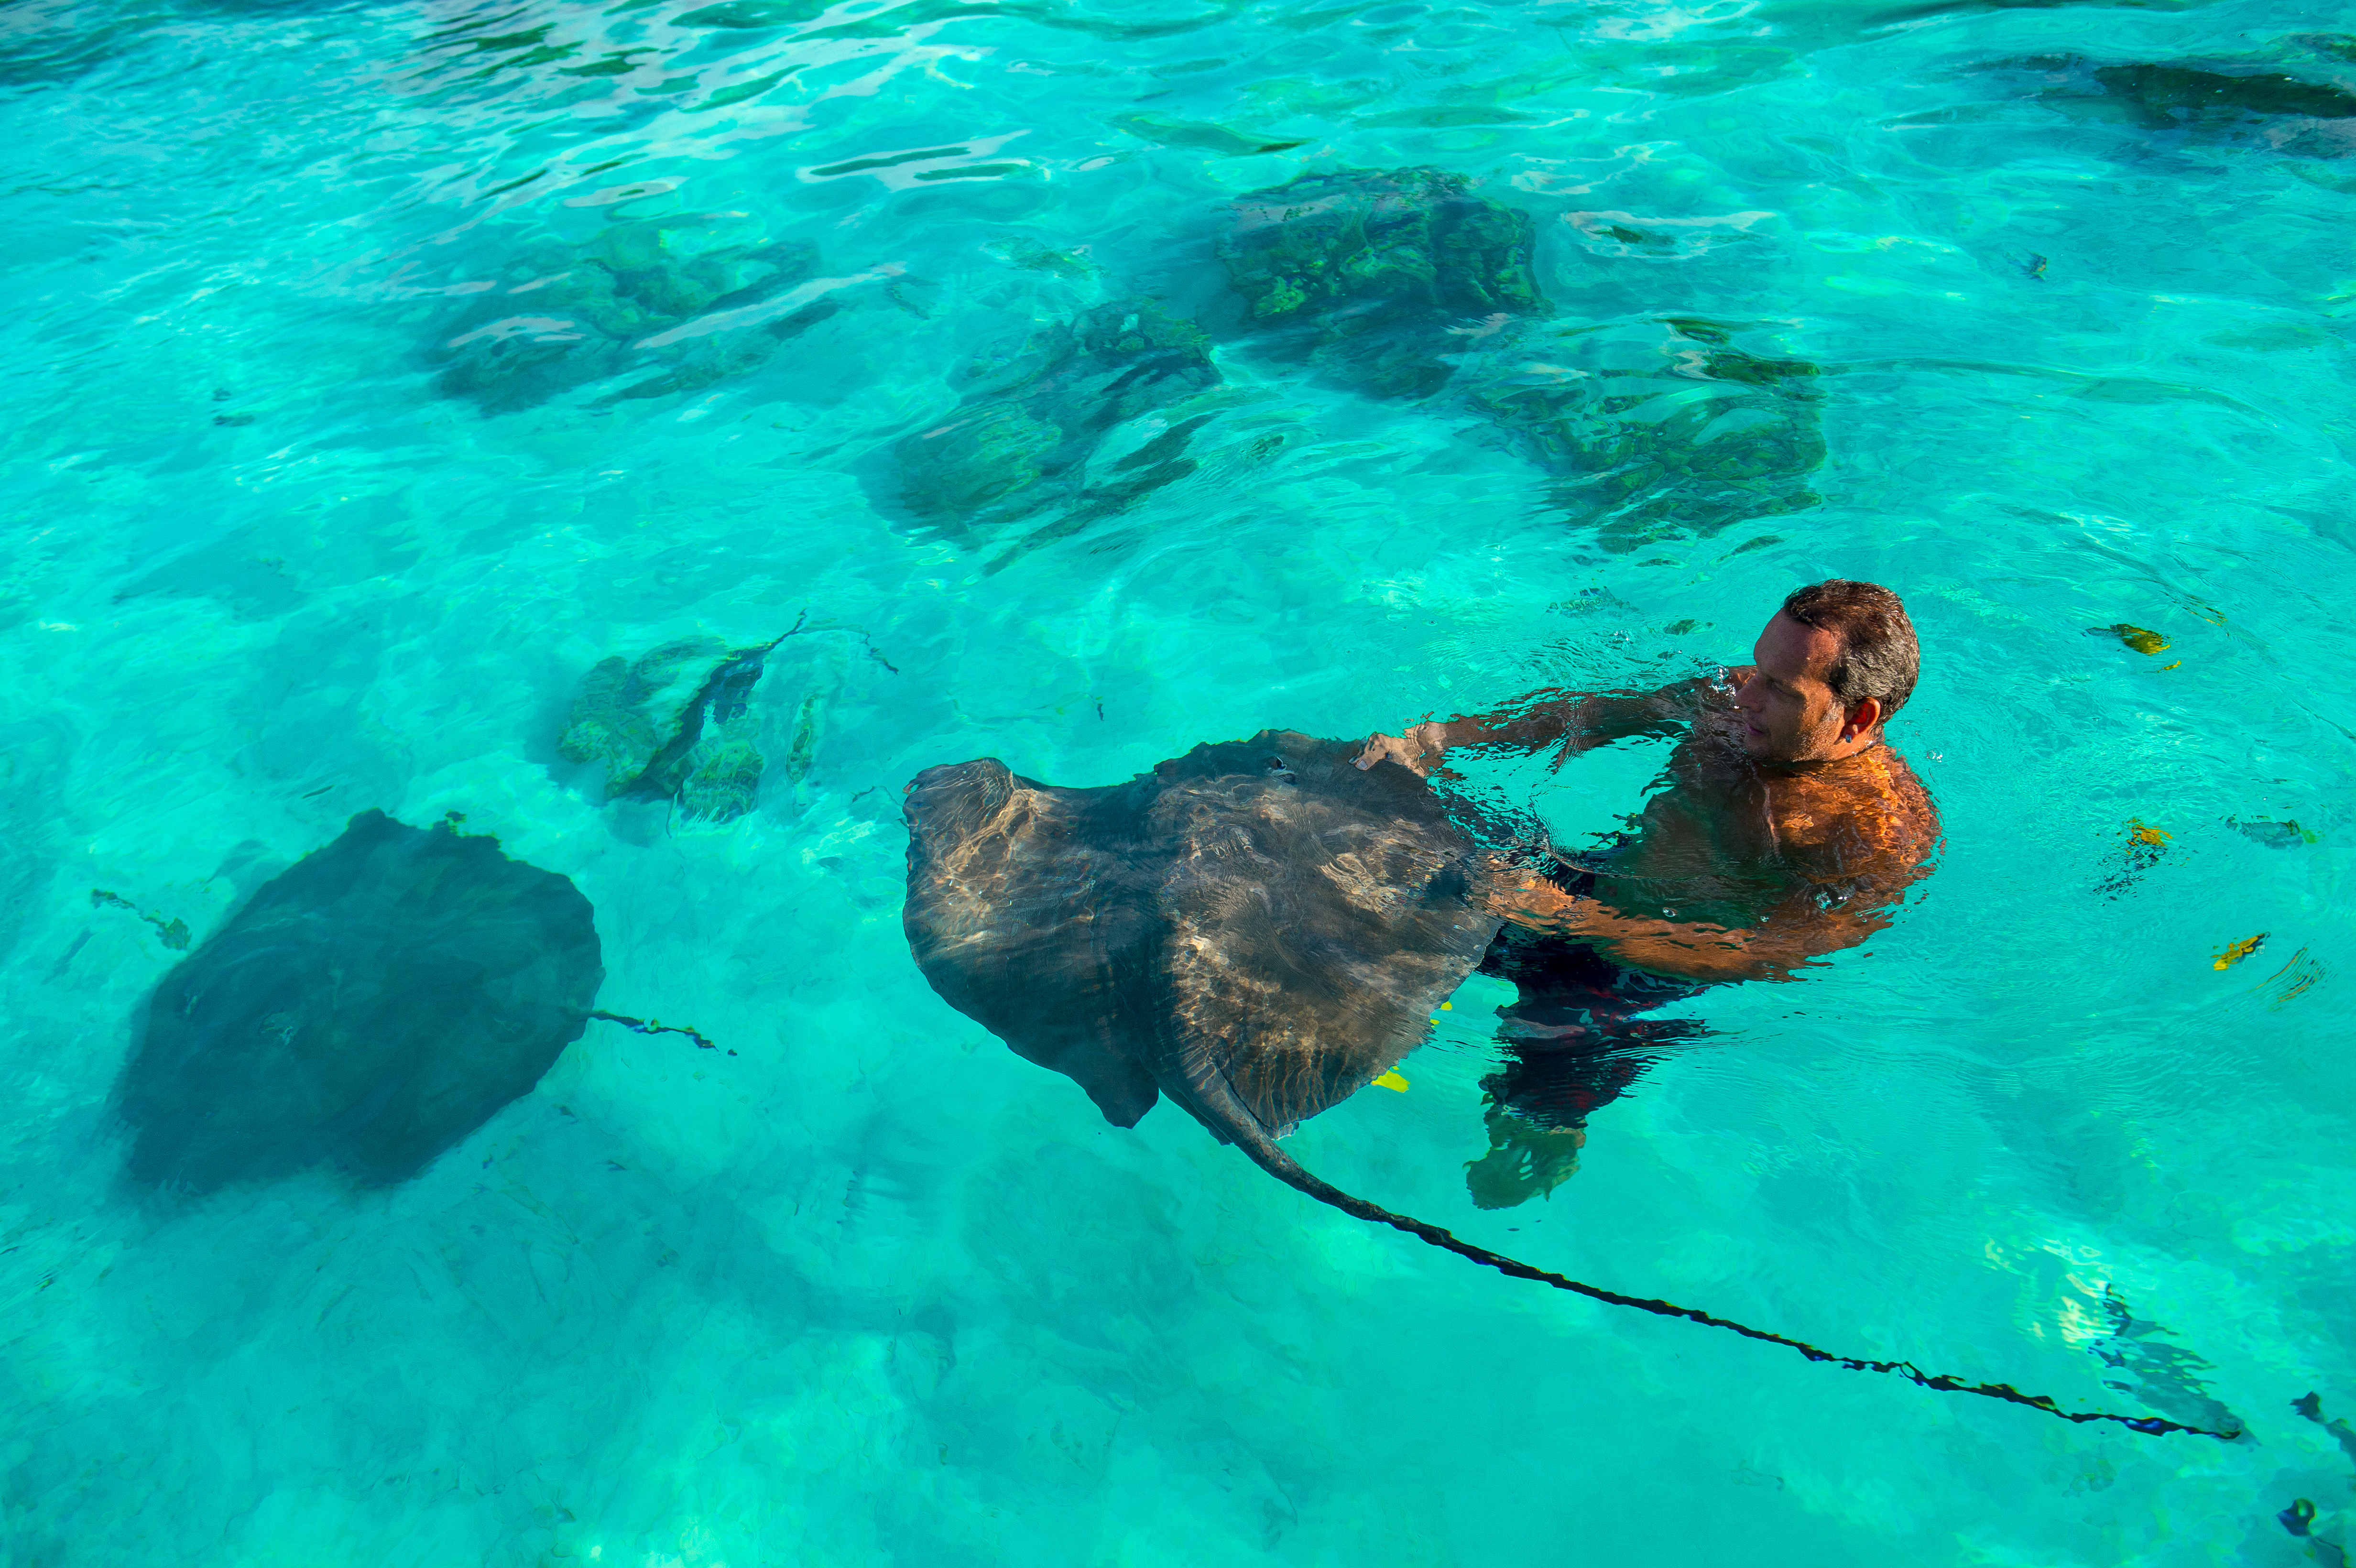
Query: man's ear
(1862, 718)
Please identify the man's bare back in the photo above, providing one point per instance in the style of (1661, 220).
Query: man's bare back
(1787, 830)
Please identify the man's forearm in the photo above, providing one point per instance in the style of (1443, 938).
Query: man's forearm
(1528, 721)
(1576, 719)
(1688, 950)
(1770, 951)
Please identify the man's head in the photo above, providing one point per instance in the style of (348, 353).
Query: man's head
(1836, 662)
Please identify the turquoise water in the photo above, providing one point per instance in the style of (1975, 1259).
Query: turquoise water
(873, 1290)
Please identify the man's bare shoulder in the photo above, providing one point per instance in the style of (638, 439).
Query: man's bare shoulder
(1916, 816)
(1867, 814)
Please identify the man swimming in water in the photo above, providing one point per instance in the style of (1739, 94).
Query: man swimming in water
(1787, 829)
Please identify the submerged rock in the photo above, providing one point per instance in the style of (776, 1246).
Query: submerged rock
(1404, 283)
(1021, 443)
(1659, 427)
(366, 1010)
(675, 724)
(1395, 283)
(2225, 100)
(1374, 279)
(678, 300)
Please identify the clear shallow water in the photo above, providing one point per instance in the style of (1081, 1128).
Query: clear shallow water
(873, 1290)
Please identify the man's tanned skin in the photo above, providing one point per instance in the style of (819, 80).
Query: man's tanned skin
(1786, 831)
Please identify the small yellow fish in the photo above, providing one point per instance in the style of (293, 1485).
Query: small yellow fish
(2143, 835)
(2239, 951)
(1393, 1081)
(2138, 638)
(1448, 1007)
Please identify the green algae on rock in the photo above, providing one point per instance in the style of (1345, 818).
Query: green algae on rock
(675, 724)
(1021, 443)
(677, 301)
(1375, 278)
(1659, 427)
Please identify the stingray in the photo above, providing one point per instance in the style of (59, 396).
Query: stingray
(366, 1010)
(1257, 930)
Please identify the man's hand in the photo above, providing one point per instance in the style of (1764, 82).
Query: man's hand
(1418, 750)
(1685, 949)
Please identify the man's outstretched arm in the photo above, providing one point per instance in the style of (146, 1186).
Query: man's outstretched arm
(1576, 719)
(1802, 928)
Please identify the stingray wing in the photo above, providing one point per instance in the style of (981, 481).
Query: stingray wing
(1316, 916)
(1027, 910)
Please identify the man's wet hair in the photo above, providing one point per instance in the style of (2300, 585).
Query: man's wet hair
(1879, 656)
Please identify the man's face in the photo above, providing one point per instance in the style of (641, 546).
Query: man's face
(1789, 713)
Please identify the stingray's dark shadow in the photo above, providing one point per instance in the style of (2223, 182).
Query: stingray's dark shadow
(366, 1010)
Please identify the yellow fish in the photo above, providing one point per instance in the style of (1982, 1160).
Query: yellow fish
(2143, 835)
(2138, 638)
(1393, 1081)
(2239, 951)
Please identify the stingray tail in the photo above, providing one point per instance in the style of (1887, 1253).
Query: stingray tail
(652, 1025)
(1264, 1153)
